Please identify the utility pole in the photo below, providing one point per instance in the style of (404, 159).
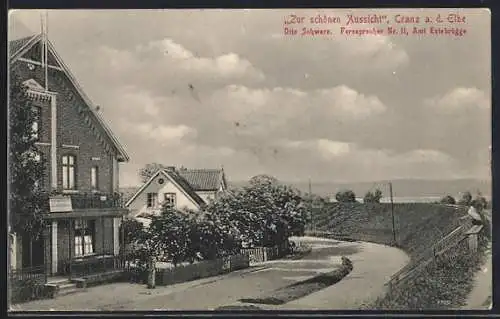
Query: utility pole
(392, 214)
(310, 207)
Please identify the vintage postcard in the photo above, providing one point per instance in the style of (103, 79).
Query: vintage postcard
(285, 159)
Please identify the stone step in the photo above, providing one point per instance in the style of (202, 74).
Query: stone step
(68, 288)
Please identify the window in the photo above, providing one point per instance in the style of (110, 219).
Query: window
(69, 172)
(35, 127)
(152, 200)
(38, 184)
(94, 178)
(169, 199)
(84, 237)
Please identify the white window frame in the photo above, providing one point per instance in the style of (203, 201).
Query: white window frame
(69, 172)
(35, 127)
(152, 200)
(84, 237)
(94, 178)
(170, 198)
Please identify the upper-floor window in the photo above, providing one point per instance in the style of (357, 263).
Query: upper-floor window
(35, 127)
(94, 178)
(152, 200)
(38, 183)
(169, 199)
(69, 172)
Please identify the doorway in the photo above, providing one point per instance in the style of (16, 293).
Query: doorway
(32, 252)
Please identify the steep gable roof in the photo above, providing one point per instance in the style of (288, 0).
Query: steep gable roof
(177, 180)
(203, 179)
(20, 46)
(17, 44)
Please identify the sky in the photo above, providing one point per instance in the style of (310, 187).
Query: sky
(226, 88)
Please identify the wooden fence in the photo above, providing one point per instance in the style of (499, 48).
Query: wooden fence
(261, 254)
(183, 273)
(414, 268)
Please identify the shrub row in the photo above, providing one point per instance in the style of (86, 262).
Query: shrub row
(29, 289)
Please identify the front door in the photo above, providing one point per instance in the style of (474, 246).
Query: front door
(32, 252)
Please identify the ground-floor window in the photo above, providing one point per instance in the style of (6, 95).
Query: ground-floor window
(84, 237)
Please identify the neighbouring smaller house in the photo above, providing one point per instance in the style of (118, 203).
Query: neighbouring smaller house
(182, 188)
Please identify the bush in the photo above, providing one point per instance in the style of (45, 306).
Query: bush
(450, 200)
(346, 196)
(29, 289)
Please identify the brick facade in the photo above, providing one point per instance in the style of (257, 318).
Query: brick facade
(78, 133)
(74, 136)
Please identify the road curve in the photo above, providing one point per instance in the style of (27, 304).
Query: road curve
(373, 265)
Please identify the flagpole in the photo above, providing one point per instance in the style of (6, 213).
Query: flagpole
(46, 50)
(42, 34)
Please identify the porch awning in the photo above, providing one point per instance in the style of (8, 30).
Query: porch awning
(82, 213)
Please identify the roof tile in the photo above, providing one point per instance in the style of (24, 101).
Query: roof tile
(202, 179)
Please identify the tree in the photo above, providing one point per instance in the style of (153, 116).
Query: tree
(262, 214)
(175, 231)
(263, 179)
(147, 171)
(479, 202)
(450, 200)
(466, 199)
(130, 231)
(346, 196)
(373, 197)
(27, 201)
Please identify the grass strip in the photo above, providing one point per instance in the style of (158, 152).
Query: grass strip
(303, 288)
(444, 284)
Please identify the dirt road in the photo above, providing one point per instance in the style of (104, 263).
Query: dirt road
(373, 264)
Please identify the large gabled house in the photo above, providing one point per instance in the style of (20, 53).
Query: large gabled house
(182, 188)
(82, 155)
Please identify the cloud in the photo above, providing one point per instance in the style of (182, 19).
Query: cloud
(425, 156)
(460, 99)
(327, 148)
(349, 102)
(225, 91)
(229, 65)
(166, 66)
(377, 52)
(163, 134)
(281, 106)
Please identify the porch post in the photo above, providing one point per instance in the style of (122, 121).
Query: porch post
(71, 243)
(102, 244)
(116, 236)
(31, 250)
(45, 251)
(54, 247)
(122, 248)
